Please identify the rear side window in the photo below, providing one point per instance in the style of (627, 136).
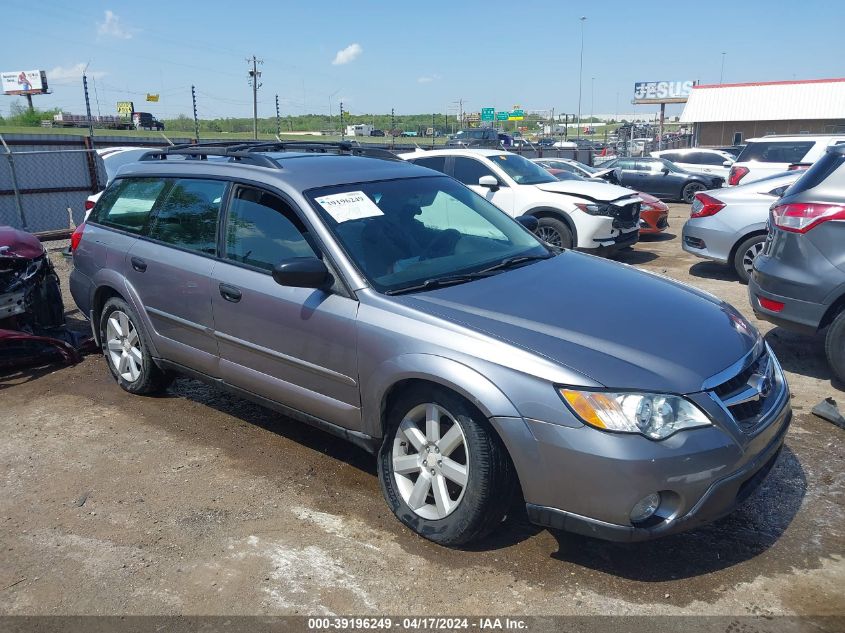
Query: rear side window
(262, 230)
(706, 158)
(776, 151)
(126, 205)
(438, 163)
(675, 157)
(186, 214)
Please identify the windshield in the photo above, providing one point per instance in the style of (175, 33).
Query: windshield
(401, 233)
(522, 170)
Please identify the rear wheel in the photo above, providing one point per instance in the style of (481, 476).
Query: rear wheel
(834, 346)
(443, 470)
(745, 254)
(554, 232)
(689, 191)
(126, 349)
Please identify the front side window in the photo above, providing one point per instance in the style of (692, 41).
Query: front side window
(469, 170)
(262, 230)
(186, 214)
(401, 233)
(128, 202)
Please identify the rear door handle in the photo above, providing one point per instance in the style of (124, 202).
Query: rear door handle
(138, 264)
(230, 293)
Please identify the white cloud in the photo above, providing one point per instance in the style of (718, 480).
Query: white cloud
(113, 27)
(70, 75)
(427, 79)
(348, 54)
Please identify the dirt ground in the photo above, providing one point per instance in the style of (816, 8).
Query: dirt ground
(200, 503)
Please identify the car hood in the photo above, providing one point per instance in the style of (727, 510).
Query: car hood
(587, 189)
(19, 244)
(617, 325)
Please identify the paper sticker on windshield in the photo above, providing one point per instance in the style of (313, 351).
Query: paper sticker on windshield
(352, 205)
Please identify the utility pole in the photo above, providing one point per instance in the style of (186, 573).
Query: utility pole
(392, 128)
(88, 109)
(196, 120)
(580, 72)
(722, 72)
(254, 76)
(342, 129)
(278, 121)
(433, 124)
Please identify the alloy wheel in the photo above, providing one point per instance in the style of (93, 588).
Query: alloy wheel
(549, 235)
(123, 346)
(750, 254)
(430, 460)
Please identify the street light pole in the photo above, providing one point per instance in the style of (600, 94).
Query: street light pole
(722, 72)
(580, 72)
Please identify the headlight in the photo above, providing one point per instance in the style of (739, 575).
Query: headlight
(588, 207)
(655, 415)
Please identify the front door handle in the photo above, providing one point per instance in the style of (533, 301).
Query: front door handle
(138, 264)
(230, 293)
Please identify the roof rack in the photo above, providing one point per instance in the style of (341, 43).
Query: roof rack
(253, 151)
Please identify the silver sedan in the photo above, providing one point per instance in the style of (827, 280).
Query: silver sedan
(729, 225)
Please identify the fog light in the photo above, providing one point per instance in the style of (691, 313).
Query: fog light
(645, 507)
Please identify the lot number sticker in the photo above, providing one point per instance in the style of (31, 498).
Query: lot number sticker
(352, 205)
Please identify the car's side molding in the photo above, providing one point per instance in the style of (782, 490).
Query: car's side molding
(449, 373)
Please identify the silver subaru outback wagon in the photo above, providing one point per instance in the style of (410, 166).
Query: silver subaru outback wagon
(391, 305)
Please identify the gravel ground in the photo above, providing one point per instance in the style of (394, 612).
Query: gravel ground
(200, 503)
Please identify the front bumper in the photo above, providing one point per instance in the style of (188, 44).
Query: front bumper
(653, 222)
(586, 481)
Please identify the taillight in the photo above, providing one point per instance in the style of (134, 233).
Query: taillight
(800, 217)
(737, 174)
(771, 304)
(704, 205)
(89, 204)
(76, 237)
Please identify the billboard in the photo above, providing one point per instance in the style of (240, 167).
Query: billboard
(662, 91)
(125, 108)
(24, 82)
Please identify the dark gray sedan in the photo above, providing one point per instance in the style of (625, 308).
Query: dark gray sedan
(659, 177)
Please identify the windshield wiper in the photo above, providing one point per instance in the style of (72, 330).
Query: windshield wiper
(438, 282)
(513, 261)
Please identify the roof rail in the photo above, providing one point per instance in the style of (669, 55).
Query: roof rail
(253, 151)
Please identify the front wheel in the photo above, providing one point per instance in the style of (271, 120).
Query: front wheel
(554, 232)
(689, 191)
(834, 346)
(443, 470)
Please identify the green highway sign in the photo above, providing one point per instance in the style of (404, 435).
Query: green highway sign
(488, 114)
(501, 116)
(516, 115)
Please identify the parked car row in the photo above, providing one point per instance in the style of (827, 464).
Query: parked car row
(392, 305)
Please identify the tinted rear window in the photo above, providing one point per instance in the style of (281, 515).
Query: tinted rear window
(776, 151)
(819, 172)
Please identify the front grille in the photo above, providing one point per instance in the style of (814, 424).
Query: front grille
(747, 390)
(662, 223)
(624, 216)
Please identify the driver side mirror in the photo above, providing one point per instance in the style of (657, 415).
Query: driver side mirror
(665, 171)
(728, 163)
(301, 272)
(489, 181)
(529, 222)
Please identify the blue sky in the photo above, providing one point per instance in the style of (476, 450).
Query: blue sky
(415, 57)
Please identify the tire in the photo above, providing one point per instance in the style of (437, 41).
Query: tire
(689, 191)
(745, 254)
(554, 232)
(127, 355)
(475, 456)
(834, 346)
